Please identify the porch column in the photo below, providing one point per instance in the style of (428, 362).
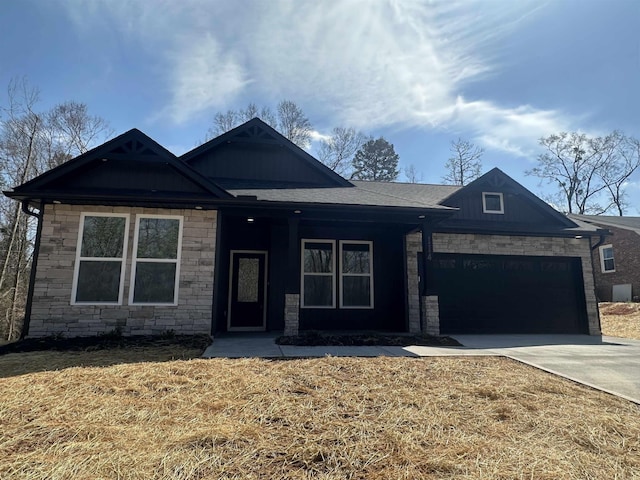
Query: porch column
(292, 284)
(429, 311)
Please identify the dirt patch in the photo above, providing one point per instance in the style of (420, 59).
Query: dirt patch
(51, 354)
(611, 308)
(620, 319)
(103, 342)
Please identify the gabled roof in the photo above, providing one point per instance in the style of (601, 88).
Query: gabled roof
(626, 223)
(496, 180)
(130, 165)
(257, 133)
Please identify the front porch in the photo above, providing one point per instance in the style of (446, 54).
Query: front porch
(295, 270)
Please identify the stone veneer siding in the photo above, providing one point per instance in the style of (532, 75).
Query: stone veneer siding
(498, 245)
(52, 312)
(291, 314)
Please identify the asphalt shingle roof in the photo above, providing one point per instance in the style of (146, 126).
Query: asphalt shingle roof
(629, 223)
(387, 194)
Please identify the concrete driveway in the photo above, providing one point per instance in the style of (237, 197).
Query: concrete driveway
(606, 363)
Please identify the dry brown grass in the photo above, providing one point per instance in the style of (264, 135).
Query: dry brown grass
(30, 362)
(620, 319)
(329, 418)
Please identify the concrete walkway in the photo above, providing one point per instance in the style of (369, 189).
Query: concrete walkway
(606, 363)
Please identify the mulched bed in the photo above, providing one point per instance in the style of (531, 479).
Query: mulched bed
(103, 342)
(310, 339)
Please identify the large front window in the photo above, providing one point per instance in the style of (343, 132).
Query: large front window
(156, 260)
(350, 273)
(99, 269)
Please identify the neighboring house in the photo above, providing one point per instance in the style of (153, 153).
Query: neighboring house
(249, 232)
(616, 262)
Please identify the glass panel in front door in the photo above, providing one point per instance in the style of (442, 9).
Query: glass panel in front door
(248, 280)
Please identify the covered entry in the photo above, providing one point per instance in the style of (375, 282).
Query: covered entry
(508, 294)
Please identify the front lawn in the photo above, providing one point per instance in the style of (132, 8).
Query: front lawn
(329, 418)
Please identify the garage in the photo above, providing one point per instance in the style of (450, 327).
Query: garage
(508, 294)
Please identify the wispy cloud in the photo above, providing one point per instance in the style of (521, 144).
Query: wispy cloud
(204, 78)
(366, 64)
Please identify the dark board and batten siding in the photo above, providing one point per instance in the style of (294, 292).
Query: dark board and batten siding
(237, 165)
(388, 313)
(516, 210)
(127, 175)
(272, 235)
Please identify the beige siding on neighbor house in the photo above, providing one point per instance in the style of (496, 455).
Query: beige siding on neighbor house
(500, 245)
(52, 312)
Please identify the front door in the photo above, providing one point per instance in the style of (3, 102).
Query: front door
(247, 290)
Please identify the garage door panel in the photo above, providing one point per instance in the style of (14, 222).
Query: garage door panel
(503, 294)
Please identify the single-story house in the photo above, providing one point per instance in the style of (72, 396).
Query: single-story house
(249, 232)
(617, 261)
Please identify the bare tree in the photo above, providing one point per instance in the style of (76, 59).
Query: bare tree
(617, 174)
(289, 120)
(223, 122)
(74, 129)
(31, 143)
(590, 172)
(264, 113)
(294, 124)
(464, 165)
(19, 141)
(412, 174)
(337, 151)
(376, 160)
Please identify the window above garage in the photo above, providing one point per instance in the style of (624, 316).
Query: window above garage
(492, 202)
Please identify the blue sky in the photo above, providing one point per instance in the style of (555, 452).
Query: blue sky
(501, 74)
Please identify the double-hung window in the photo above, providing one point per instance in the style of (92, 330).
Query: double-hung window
(100, 259)
(318, 273)
(607, 262)
(324, 274)
(156, 260)
(356, 274)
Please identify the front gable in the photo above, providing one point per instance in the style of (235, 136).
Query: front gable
(131, 166)
(254, 155)
(497, 202)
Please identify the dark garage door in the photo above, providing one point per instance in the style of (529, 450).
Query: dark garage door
(507, 294)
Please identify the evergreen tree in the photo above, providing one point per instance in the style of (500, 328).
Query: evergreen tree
(376, 160)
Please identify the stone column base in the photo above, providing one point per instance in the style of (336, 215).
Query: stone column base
(291, 314)
(430, 315)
